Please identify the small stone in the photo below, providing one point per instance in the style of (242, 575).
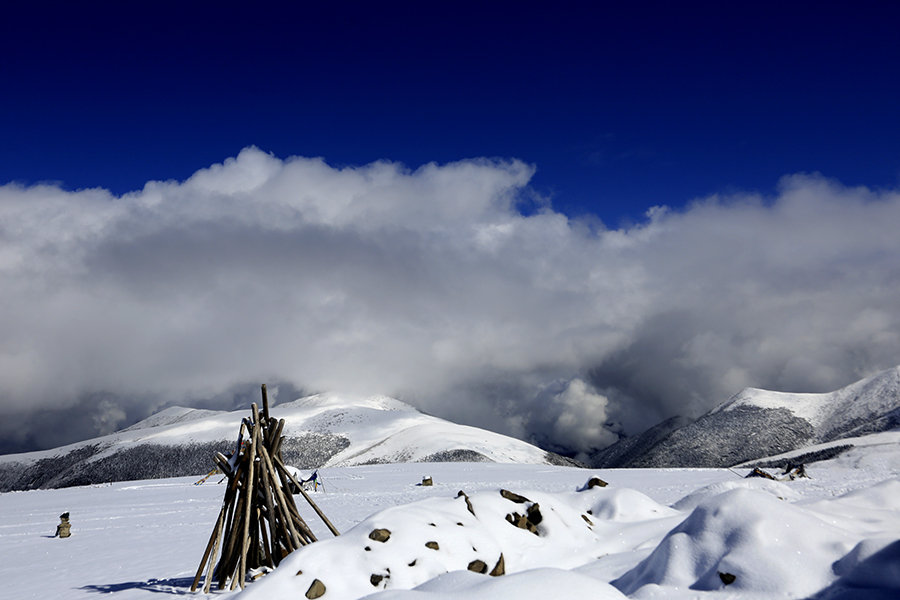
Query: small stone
(757, 472)
(588, 521)
(514, 497)
(380, 535)
(499, 568)
(426, 481)
(64, 529)
(375, 579)
(727, 578)
(534, 514)
(595, 482)
(478, 566)
(316, 590)
(367, 549)
(413, 563)
(468, 502)
(522, 522)
(432, 545)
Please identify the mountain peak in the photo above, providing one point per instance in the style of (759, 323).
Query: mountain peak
(328, 429)
(756, 423)
(328, 400)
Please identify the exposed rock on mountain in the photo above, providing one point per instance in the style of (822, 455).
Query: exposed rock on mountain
(321, 430)
(758, 423)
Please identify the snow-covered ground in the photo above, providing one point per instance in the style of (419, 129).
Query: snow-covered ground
(653, 533)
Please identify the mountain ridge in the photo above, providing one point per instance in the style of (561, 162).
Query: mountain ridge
(756, 423)
(320, 430)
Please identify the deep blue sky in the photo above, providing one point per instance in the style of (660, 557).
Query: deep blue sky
(619, 108)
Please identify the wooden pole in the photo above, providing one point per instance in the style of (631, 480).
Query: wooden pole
(248, 492)
(270, 512)
(212, 559)
(279, 497)
(222, 463)
(322, 516)
(265, 403)
(209, 547)
(228, 560)
(231, 521)
(276, 447)
(273, 442)
(267, 554)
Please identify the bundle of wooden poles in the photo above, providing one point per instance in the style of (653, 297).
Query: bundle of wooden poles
(259, 524)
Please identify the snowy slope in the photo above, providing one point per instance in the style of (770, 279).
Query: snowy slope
(872, 404)
(757, 423)
(652, 533)
(859, 451)
(320, 430)
(384, 430)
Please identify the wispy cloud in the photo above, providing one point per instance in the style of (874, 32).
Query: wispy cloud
(432, 285)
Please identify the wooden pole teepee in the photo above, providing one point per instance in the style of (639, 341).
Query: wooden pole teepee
(258, 524)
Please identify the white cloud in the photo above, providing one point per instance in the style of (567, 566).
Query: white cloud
(577, 417)
(429, 283)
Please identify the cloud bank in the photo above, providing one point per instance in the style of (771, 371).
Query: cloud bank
(451, 286)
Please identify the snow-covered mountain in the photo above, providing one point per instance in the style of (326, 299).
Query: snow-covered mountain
(322, 430)
(758, 423)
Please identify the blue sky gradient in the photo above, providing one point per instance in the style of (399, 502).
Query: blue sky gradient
(619, 108)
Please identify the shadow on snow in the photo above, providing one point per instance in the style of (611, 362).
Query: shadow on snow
(177, 586)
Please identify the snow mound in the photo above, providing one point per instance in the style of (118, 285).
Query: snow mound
(495, 533)
(872, 565)
(529, 585)
(627, 505)
(778, 489)
(743, 538)
(749, 541)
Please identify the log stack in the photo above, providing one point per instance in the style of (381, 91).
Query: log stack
(258, 524)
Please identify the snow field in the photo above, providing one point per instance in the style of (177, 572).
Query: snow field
(655, 533)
